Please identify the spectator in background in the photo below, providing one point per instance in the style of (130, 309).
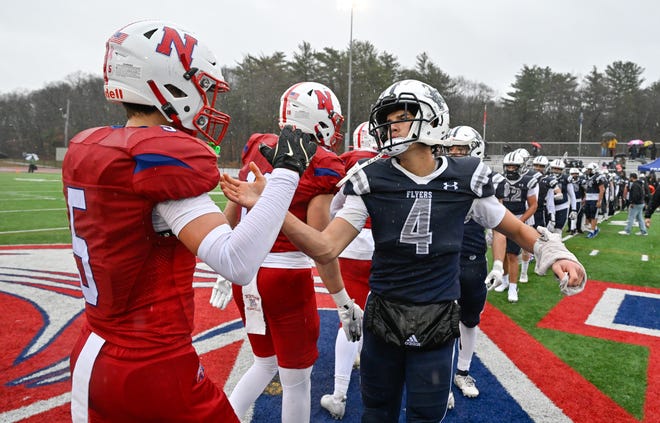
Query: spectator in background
(611, 146)
(603, 147)
(636, 194)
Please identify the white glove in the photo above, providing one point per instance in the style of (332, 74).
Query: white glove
(558, 194)
(551, 226)
(572, 215)
(495, 277)
(221, 294)
(350, 315)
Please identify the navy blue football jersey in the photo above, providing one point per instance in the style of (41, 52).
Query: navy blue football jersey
(593, 182)
(562, 182)
(514, 194)
(417, 224)
(474, 240)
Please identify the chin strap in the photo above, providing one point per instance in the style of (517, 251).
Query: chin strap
(356, 168)
(165, 105)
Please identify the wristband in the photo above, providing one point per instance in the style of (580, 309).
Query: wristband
(341, 298)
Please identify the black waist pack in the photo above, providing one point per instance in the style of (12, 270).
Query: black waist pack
(412, 326)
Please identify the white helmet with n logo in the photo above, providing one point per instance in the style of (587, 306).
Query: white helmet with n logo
(158, 64)
(314, 109)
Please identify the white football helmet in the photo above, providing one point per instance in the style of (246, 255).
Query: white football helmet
(464, 136)
(158, 64)
(516, 159)
(575, 173)
(524, 153)
(478, 148)
(429, 124)
(591, 168)
(362, 139)
(314, 109)
(540, 163)
(557, 166)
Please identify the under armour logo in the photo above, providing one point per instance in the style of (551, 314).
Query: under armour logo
(447, 186)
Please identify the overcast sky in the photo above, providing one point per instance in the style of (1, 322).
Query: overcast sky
(486, 41)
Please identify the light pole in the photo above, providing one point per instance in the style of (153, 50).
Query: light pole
(66, 124)
(347, 139)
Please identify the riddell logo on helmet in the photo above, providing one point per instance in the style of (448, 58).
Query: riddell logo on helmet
(116, 94)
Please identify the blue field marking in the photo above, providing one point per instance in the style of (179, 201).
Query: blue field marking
(494, 404)
(639, 311)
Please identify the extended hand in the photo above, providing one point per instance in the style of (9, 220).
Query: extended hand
(221, 294)
(243, 193)
(294, 150)
(496, 276)
(571, 276)
(350, 315)
(351, 320)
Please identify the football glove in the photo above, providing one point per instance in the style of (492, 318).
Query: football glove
(350, 315)
(294, 150)
(551, 226)
(572, 215)
(496, 276)
(221, 294)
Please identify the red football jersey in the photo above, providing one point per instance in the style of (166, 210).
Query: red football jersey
(132, 276)
(320, 177)
(350, 158)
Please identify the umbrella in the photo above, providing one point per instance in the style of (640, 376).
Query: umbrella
(535, 144)
(608, 135)
(32, 156)
(648, 143)
(635, 142)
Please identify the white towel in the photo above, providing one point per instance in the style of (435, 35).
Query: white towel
(254, 314)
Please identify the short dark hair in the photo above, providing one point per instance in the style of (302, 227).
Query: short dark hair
(133, 109)
(633, 175)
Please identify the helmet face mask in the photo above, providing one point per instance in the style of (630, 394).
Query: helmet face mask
(463, 141)
(591, 168)
(157, 64)
(420, 105)
(314, 109)
(557, 166)
(513, 166)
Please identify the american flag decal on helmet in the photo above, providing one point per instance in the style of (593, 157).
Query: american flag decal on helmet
(118, 37)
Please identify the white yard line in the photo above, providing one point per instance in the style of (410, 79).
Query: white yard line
(34, 230)
(30, 210)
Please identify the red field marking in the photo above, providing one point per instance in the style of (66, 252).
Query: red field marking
(579, 399)
(571, 314)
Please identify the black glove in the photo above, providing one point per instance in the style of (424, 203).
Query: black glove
(294, 150)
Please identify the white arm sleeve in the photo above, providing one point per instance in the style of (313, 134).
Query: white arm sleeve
(236, 255)
(571, 196)
(487, 211)
(550, 201)
(354, 211)
(178, 213)
(337, 203)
